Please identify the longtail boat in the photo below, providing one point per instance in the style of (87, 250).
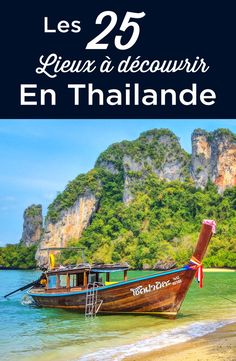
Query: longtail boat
(81, 288)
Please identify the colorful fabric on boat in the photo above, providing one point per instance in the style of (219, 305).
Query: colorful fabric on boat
(195, 264)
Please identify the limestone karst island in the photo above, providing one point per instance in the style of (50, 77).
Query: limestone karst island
(141, 203)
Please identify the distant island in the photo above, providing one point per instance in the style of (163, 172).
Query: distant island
(143, 203)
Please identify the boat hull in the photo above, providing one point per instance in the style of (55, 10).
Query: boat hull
(159, 294)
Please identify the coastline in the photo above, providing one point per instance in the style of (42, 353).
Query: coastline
(219, 345)
(219, 269)
(38, 269)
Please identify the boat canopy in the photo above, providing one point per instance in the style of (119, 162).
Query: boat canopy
(86, 267)
(83, 267)
(95, 270)
(107, 268)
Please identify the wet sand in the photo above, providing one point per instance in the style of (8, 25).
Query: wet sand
(217, 346)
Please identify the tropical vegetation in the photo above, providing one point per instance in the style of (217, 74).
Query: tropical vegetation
(17, 256)
(161, 223)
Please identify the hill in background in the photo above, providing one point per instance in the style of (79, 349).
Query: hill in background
(144, 201)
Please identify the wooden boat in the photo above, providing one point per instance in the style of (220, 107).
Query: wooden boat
(81, 288)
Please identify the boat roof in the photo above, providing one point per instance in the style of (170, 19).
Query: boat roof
(105, 268)
(86, 267)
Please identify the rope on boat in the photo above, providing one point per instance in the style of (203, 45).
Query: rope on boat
(228, 299)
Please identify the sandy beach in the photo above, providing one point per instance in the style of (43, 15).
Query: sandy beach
(219, 270)
(217, 346)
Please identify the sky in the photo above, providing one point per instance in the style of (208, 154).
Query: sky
(39, 157)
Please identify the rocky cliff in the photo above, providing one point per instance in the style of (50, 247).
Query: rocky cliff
(124, 165)
(69, 225)
(32, 226)
(214, 158)
(156, 151)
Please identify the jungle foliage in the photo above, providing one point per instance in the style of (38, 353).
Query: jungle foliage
(161, 223)
(17, 256)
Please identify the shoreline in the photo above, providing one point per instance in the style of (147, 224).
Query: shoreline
(219, 345)
(217, 269)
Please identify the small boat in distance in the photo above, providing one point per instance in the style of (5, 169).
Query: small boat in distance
(81, 288)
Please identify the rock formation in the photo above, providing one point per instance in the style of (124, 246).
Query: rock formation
(156, 151)
(214, 158)
(164, 265)
(70, 225)
(32, 226)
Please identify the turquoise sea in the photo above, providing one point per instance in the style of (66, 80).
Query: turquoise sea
(28, 333)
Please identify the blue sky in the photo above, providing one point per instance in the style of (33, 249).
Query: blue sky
(39, 157)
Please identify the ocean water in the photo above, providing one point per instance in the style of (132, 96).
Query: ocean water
(28, 333)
